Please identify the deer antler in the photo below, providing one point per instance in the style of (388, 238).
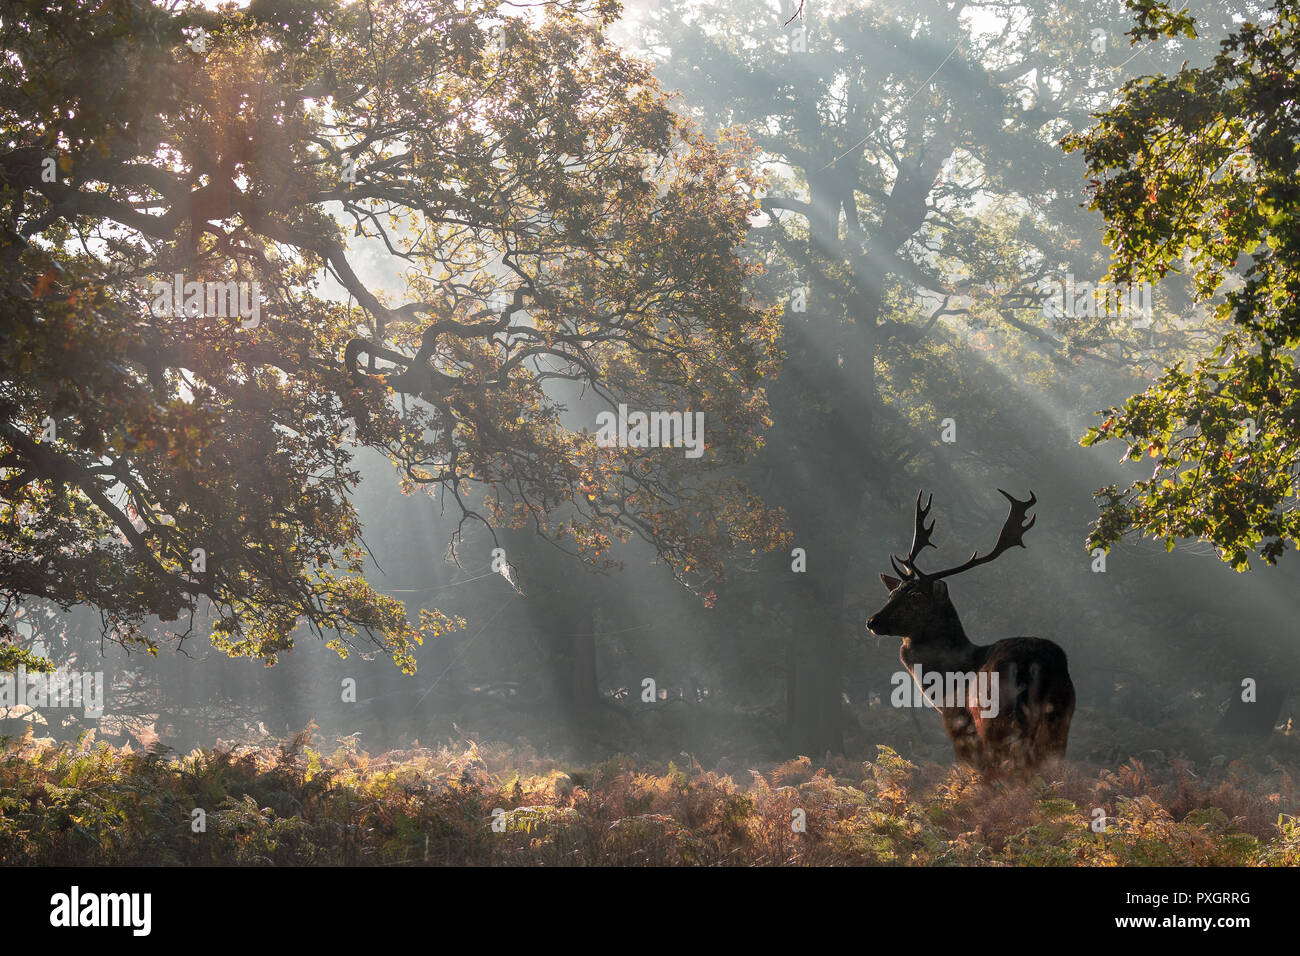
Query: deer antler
(1011, 535)
(920, 541)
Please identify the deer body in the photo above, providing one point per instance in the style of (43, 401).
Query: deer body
(1034, 694)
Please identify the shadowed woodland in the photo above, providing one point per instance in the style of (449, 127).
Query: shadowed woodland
(366, 583)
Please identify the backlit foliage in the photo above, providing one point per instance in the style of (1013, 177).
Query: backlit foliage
(91, 803)
(1196, 172)
(557, 225)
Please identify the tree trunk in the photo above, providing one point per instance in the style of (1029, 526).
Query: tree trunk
(822, 481)
(827, 395)
(1255, 718)
(583, 691)
(815, 722)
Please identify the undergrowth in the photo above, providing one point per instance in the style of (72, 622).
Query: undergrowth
(295, 804)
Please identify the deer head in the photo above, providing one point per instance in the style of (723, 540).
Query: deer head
(918, 605)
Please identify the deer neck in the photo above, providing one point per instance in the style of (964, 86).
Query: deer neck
(941, 646)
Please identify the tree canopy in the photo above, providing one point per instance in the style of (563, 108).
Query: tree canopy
(1196, 172)
(555, 224)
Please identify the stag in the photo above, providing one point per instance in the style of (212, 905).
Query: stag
(1034, 693)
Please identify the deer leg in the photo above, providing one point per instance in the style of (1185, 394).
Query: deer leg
(920, 727)
(967, 746)
(1054, 726)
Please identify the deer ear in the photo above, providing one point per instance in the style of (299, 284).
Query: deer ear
(889, 582)
(939, 590)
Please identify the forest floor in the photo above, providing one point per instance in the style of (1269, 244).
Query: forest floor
(478, 803)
